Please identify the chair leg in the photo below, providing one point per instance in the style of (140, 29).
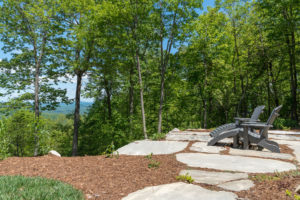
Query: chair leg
(235, 141)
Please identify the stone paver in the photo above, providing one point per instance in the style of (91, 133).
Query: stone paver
(263, 154)
(237, 185)
(179, 191)
(213, 178)
(284, 137)
(295, 145)
(203, 148)
(284, 132)
(146, 147)
(192, 136)
(234, 163)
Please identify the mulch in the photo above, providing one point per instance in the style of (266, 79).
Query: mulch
(99, 177)
(102, 178)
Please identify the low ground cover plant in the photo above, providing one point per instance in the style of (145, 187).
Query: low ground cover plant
(20, 187)
(185, 178)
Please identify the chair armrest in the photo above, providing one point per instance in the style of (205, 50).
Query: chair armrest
(256, 125)
(242, 119)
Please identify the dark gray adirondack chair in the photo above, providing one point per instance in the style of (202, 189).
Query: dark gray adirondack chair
(247, 135)
(261, 138)
(226, 127)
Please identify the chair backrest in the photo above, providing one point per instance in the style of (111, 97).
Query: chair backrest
(273, 115)
(257, 111)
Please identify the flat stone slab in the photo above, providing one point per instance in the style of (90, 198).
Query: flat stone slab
(234, 163)
(146, 147)
(179, 191)
(203, 148)
(213, 178)
(193, 136)
(237, 185)
(284, 137)
(284, 132)
(263, 154)
(295, 145)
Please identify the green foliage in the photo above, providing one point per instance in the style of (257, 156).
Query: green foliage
(4, 141)
(152, 163)
(149, 157)
(158, 136)
(185, 178)
(276, 176)
(289, 194)
(285, 124)
(19, 187)
(110, 151)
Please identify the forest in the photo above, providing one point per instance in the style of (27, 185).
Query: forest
(150, 66)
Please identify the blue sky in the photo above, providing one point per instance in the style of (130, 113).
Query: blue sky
(72, 85)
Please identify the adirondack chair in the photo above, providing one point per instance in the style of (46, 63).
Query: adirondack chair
(261, 138)
(246, 134)
(226, 127)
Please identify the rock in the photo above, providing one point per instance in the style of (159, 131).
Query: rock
(213, 178)
(284, 132)
(203, 148)
(297, 190)
(179, 191)
(261, 154)
(54, 153)
(192, 136)
(237, 185)
(295, 145)
(234, 163)
(284, 137)
(146, 147)
(175, 130)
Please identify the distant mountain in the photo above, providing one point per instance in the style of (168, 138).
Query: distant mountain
(69, 108)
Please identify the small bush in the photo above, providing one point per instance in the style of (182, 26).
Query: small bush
(153, 163)
(158, 136)
(110, 151)
(285, 124)
(185, 178)
(20, 187)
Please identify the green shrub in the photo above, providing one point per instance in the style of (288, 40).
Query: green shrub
(158, 136)
(185, 178)
(285, 124)
(110, 151)
(19, 187)
(153, 164)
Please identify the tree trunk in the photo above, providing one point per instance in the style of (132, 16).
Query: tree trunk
(292, 62)
(77, 114)
(108, 96)
(141, 94)
(273, 84)
(36, 108)
(131, 99)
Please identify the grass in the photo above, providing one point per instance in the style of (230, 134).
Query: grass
(276, 176)
(36, 188)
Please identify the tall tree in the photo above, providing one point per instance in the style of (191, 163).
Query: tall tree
(29, 32)
(79, 46)
(173, 18)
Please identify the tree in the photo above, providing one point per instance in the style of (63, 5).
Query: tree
(173, 18)
(30, 32)
(79, 47)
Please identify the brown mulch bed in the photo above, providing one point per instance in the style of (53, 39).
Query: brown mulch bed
(113, 178)
(272, 189)
(104, 178)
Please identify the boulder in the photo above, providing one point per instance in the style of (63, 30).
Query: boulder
(54, 153)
